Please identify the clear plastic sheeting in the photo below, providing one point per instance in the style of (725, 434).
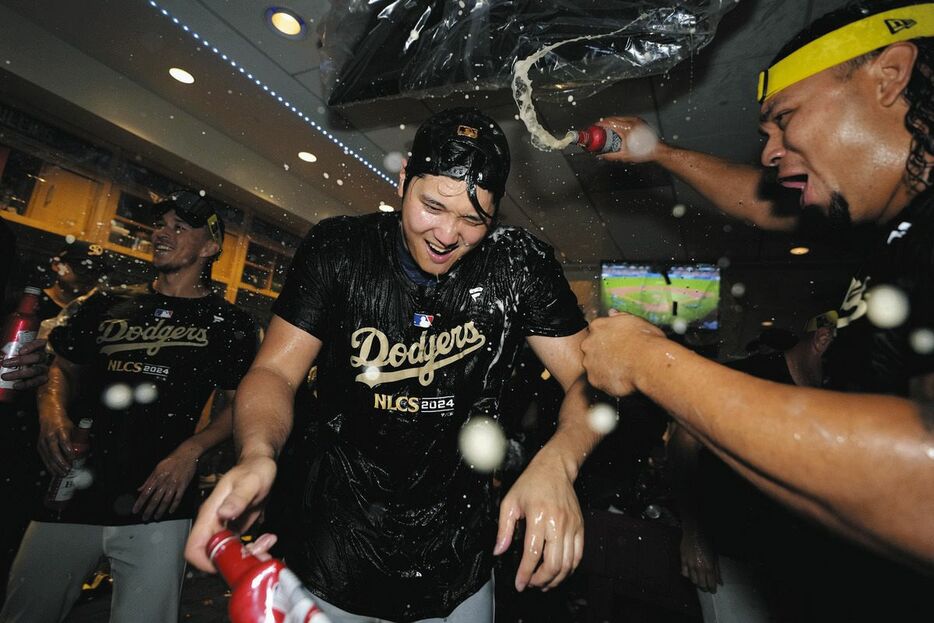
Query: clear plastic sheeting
(376, 49)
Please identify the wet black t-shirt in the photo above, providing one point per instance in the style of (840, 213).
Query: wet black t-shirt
(396, 525)
(170, 353)
(867, 358)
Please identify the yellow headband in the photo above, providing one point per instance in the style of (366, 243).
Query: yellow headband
(845, 43)
(827, 319)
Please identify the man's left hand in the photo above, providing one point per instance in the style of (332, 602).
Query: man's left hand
(554, 531)
(166, 485)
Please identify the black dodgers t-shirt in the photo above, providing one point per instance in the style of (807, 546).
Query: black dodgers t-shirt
(868, 358)
(395, 524)
(150, 363)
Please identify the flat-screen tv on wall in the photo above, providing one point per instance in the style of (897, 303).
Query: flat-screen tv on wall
(663, 294)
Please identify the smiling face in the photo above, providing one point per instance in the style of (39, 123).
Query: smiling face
(178, 246)
(831, 139)
(439, 223)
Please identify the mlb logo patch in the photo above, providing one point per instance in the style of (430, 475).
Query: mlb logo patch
(422, 320)
(163, 313)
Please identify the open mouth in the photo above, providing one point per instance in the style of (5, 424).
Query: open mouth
(798, 182)
(162, 248)
(440, 253)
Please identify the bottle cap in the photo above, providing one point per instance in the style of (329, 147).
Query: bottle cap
(32, 290)
(85, 423)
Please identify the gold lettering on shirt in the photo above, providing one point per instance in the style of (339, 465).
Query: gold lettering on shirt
(121, 336)
(381, 360)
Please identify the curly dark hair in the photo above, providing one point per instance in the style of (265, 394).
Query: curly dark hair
(919, 93)
(920, 117)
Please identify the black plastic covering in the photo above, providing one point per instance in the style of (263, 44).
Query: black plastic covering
(376, 49)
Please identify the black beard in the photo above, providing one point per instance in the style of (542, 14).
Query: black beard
(839, 212)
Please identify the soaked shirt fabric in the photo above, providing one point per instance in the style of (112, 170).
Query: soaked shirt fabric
(858, 584)
(171, 353)
(395, 525)
(865, 357)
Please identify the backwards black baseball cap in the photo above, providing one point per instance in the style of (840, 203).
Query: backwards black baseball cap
(84, 258)
(463, 144)
(195, 210)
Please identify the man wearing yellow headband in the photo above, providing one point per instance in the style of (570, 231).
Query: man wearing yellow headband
(847, 111)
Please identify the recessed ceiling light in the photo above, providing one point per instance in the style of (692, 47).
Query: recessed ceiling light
(307, 156)
(286, 23)
(385, 207)
(799, 250)
(181, 75)
(768, 323)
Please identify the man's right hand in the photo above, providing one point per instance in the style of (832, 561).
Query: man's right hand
(640, 142)
(235, 503)
(55, 443)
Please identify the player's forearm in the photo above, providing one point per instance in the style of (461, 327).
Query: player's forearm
(733, 188)
(864, 459)
(574, 439)
(263, 411)
(52, 398)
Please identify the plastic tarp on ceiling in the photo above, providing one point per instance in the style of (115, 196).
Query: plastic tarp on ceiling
(374, 49)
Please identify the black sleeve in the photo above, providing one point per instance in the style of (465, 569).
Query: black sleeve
(311, 285)
(547, 305)
(75, 331)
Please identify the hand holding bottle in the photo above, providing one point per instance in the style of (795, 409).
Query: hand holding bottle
(637, 142)
(262, 591)
(23, 356)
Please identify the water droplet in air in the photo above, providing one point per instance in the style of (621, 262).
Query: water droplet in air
(888, 306)
(482, 444)
(393, 161)
(922, 341)
(602, 418)
(118, 396)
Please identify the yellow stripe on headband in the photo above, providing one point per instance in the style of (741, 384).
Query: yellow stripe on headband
(845, 43)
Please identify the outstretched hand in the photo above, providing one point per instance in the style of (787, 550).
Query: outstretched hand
(554, 531)
(235, 503)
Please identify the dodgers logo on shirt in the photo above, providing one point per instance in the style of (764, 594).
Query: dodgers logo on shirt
(422, 320)
(163, 313)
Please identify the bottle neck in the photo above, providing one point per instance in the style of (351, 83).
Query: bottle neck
(230, 558)
(592, 138)
(28, 303)
(81, 435)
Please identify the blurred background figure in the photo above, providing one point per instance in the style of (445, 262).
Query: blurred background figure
(735, 540)
(75, 270)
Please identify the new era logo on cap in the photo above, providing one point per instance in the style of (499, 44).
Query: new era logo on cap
(897, 25)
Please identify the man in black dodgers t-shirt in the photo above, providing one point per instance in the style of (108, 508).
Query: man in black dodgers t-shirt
(413, 320)
(142, 362)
